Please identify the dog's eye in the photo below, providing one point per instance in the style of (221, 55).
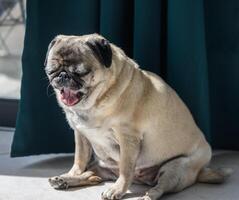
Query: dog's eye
(82, 73)
(86, 72)
(51, 71)
(76, 74)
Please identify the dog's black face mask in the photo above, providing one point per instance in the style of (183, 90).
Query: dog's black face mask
(67, 68)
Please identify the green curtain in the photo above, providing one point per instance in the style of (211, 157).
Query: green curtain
(192, 44)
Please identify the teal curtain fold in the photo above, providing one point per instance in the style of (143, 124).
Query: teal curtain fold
(193, 45)
(147, 34)
(222, 40)
(116, 23)
(187, 69)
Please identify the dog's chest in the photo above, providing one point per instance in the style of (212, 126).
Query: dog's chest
(79, 120)
(100, 136)
(105, 146)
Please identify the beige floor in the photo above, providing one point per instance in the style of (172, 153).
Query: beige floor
(26, 179)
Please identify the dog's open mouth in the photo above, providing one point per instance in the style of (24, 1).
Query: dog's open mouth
(70, 97)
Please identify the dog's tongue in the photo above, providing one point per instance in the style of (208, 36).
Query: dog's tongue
(69, 97)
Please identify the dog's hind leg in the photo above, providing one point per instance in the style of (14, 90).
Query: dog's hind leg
(93, 176)
(177, 174)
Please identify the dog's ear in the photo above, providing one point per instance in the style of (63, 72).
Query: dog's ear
(49, 48)
(102, 50)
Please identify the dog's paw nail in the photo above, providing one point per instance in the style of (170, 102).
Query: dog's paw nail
(144, 198)
(60, 180)
(102, 196)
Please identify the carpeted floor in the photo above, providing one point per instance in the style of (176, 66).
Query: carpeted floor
(26, 178)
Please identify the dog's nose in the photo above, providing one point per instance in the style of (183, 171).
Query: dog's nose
(63, 76)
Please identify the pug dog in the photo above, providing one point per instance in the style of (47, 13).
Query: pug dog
(129, 125)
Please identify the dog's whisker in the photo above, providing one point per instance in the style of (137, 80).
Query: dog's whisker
(47, 91)
(52, 94)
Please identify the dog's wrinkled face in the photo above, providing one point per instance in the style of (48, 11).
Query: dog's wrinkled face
(77, 64)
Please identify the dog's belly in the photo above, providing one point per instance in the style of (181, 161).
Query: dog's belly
(107, 153)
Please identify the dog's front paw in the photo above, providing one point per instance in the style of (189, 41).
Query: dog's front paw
(58, 183)
(116, 191)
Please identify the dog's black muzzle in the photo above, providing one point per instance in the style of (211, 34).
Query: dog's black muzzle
(69, 81)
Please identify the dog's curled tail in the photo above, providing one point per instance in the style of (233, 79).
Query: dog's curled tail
(214, 176)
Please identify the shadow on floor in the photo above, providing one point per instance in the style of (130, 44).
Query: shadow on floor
(52, 165)
(35, 166)
(62, 162)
